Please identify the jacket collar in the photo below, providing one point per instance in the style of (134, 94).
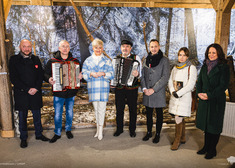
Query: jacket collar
(57, 55)
(214, 71)
(101, 62)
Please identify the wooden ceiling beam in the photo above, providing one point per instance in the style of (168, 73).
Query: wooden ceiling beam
(127, 3)
(121, 3)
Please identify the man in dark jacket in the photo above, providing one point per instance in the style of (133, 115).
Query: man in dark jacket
(26, 75)
(126, 94)
(66, 96)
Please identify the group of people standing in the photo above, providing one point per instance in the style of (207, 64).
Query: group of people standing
(26, 74)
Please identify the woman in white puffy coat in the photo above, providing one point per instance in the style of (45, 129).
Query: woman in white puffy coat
(181, 84)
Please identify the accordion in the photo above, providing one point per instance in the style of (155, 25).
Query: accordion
(65, 75)
(123, 68)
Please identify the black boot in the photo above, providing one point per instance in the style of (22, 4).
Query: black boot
(157, 138)
(147, 136)
(205, 147)
(211, 152)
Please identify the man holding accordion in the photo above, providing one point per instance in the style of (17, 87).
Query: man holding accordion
(126, 83)
(58, 72)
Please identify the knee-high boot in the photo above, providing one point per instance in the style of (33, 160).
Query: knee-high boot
(183, 139)
(206, 144)
(211, 152)
(178, 134)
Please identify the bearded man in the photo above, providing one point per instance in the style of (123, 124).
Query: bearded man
(26, 74)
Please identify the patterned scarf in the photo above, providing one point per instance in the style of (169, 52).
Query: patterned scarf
(181, 65)
(211, 64)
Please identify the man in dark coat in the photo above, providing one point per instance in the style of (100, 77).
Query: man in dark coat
(126, 94)
(26, 75)
(65, 96)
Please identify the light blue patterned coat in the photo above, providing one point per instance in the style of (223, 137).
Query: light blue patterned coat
(98, 88)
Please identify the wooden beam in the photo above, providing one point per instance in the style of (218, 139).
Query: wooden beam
(5, 94)
(41, 2)
(7, 7)
(122, 3)
(214, 4)
(228, 4)
(222, 29)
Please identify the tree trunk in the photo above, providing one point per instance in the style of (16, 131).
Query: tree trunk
(158, 26)
(168, 37)
(192, 45)
(83, 42)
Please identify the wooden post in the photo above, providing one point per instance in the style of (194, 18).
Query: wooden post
(7, 7)
(5, 96)
(222, 29)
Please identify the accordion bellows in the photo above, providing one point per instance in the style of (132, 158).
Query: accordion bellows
(65, 75)
(123, 68)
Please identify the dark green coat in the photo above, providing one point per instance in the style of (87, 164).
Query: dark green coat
(210, 114)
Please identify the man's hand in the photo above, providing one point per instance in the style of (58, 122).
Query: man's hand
(135, 73)
(80, 76)
(51, 81)
(148, 92)
(32, 91)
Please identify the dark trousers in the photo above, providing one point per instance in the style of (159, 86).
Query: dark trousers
(159, 121)
(210, 142)
(23, 114)
(123, 96)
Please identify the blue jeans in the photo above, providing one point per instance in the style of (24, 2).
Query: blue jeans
(58, 105)
(23, 114)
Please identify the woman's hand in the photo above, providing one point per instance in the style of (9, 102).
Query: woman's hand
(94, 74)
(203, 96)
(100, 74)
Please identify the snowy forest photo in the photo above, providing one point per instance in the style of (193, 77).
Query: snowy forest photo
(174, 28)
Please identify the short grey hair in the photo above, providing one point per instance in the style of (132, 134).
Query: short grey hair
(97, 42)
(63, 41)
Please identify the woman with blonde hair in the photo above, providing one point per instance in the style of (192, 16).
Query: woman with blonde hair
(98, 71)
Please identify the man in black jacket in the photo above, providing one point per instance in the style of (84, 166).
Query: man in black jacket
(66, 96)
(26, 75)
(126, 94)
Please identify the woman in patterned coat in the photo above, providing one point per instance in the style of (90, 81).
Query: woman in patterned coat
(98, 71)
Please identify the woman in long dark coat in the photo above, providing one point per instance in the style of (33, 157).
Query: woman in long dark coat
(212, 82)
